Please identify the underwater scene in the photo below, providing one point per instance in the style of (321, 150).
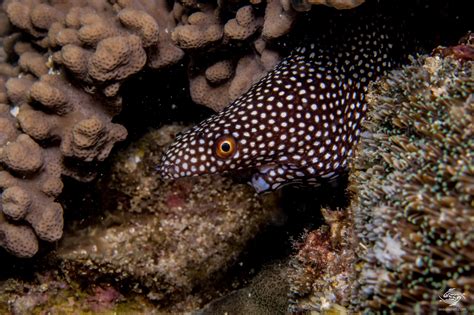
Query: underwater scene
(236, 157)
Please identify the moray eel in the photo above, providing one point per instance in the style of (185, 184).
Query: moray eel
(299, 123)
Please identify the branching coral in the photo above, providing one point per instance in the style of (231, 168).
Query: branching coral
(208, 30)
(72, 58)
(51, 118)
(47, 120)
(252, 29)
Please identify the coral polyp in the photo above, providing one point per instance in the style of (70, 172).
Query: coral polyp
(413, 188)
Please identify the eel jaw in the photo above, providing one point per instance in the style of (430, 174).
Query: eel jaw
(264, 179)
(259, 183)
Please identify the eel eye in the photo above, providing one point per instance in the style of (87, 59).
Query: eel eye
(225, 147)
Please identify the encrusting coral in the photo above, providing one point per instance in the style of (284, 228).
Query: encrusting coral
(412, 181)
(50, 292)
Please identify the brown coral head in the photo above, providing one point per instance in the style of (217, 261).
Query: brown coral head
(18, 240)
(23, 155)
(143, 23)
(116, 58)
(15, 201)
(88, 132)
(75, 59)
(47, 220)
(50, 97)
(43, 15)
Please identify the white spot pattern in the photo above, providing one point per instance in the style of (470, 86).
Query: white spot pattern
(298, 122)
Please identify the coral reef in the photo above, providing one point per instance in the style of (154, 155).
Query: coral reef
(406, 238)
(413, 188)
(62, 66)
(404, 241)
(296, 125)
(46, 122)
(57, 120)
(163, 239)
